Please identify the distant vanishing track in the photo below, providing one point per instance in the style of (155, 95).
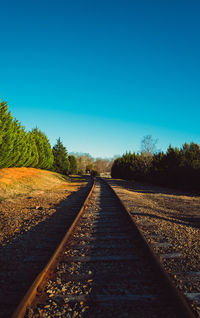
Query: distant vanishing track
(102, 269)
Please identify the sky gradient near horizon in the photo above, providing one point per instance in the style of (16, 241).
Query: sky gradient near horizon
(103, 74)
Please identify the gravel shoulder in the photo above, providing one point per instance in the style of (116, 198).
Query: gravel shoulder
(31, 227)
(170, 221)
(20, 214)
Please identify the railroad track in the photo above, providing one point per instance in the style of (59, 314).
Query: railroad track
(103, 268)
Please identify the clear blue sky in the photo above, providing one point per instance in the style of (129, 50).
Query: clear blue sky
(102, 74)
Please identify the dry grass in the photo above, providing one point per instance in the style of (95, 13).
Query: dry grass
(23, 181)
(29, 196)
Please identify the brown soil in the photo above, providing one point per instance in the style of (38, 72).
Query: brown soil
(28, 197)
(16, 182)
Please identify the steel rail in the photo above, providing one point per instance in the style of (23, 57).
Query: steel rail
(49, 268)
(186, 311)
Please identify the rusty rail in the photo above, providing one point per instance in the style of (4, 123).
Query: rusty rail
(35, 289)
(49, 268)
(185, 309)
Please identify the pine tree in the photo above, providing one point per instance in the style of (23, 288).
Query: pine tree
(61, 161)
(45, 159)
(32, 155)
(19, 148)
(19, 153)
(48, 153)
(6, 136)
(73, 165)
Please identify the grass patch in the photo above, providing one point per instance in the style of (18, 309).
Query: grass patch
(2, 198)
(16, 182)
(63, 177)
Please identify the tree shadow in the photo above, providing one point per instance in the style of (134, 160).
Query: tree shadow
(24, 257)
(188, 220)
(185, 221)
(151, 189)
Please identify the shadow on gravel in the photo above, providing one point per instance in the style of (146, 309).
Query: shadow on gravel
(113, 282)
(22, 259)
(151, 189)
(188, 220)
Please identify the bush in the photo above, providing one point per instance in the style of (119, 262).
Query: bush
(94, 173)
(176, 168)
(73, 165)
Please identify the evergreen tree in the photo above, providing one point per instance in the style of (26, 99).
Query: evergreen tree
(19, 153)
(175, 168)
(19, 148)
(48, 153)
(32, 155)
(61, 161)
(73, 165)
(45, 155)
(6, 136)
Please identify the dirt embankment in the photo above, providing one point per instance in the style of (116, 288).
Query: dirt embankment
(23, 181)
(29, 196)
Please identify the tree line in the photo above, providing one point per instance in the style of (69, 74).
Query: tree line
(87, 164)
(21, 148)
(177, 167)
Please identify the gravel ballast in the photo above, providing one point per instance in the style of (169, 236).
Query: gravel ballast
(105, 271)
(31, 229)
(170, 221)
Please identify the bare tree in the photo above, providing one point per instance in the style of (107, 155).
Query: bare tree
(148, 145)
(148, 149)
(85, 162)
(101, 165)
